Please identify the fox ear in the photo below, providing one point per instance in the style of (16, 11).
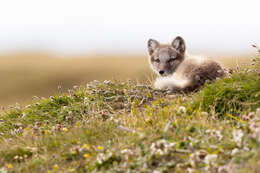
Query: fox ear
(179, 44)
(152, 45)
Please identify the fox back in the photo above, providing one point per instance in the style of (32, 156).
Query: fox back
(177, 72)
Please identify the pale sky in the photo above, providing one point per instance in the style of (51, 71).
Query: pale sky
(98, 26)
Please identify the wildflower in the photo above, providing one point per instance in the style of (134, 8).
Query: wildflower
(234, 151)
(102, 157)
(46, 132)
(71, 169)
(58, 126)
(107, 82)
(237, 136)
(190, 170)
(249, 116)
(74, 152)
(115, 163)
(126, 151)
(23, 115)
(86, 146)
(86, 156)
(256, 133)
(100, 148)
(68, 118)
(204, 114)
(65, 129)
(161, 147)
(3, 170)
(198, 156)
(77, 124)
(230, 167)
(55, 167)
(216, 133)
(182, 109)
(210, 158)
(9, 166)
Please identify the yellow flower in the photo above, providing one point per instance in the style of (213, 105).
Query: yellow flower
(65, 129)
(86, 156)
(74, 152)
(9, 166)
(78, 124)
(100, 148)
(46, 132)
(86, 146)
(48, 171)
(55, 167)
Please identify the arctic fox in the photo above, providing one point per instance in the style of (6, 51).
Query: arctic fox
(178, 72)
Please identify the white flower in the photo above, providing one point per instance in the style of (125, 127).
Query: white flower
(238, 136)
(101, 157)
(204, 114)
(216, 133)
(190, 170)
(256, 133)
(198, 156)
(156, 171)
(182, 109)
(257, 112)
(107, 82)
(126, 151)
(23, 115)
(210, 158)
(161, 147)
(234, 151)
(3, 170)
(230, 167)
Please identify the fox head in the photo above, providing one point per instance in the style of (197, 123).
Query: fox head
(164, 59)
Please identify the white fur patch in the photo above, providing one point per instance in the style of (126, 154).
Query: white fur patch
(171, 83)
(164, 57)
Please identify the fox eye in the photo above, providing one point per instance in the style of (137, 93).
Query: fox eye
(157, 60)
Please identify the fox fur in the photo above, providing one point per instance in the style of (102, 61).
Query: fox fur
(178, 72)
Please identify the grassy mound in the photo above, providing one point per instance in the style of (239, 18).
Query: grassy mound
(115, 126)
(233, 95)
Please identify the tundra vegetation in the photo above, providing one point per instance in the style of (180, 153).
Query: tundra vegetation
(126, 126)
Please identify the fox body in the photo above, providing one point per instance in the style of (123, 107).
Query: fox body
(178, 72)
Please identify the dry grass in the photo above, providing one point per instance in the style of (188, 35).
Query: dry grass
(27, 74)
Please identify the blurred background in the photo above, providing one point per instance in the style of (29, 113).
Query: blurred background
(51, 43)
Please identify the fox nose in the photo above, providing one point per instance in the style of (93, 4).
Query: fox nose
(161, 72)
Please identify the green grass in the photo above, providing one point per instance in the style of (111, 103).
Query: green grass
(232, 95)
(120, 126)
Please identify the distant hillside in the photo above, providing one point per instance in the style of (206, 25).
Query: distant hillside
(24, 75)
